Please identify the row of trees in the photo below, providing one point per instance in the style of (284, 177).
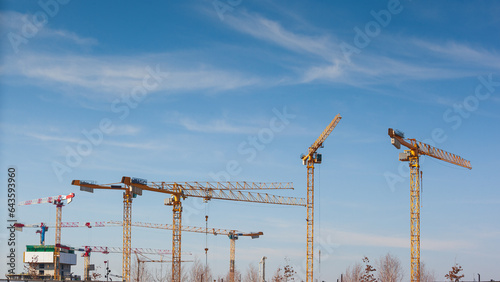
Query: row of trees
(389, 269)
(199, 272)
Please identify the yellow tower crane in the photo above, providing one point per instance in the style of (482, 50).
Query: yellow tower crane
(58, 201)
(417, 148)
(233, 235)
(309, 159)
(207, 190)
(129, 192)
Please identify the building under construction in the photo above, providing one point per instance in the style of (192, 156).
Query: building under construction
(39, 260)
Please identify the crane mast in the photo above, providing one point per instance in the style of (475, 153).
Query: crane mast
(309, 160)
(127, 231)
(417, 148)
(176, 236)
(415, 215)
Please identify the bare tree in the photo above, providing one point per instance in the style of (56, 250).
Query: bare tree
(139, 271)
(95, 276)
(252, 274)
(286, 273)
(368, 276)
(277, 275)
(289, 273)
(454, 274)
(200, 272)
(237, 275)
(353, 273)
(426, 275)
(31, 267)
(390, 269)
(162, 273)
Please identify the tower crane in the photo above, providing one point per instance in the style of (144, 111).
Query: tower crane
(416, 149)
(43, 227)
(180, 190)
(58, 202)
(129, 192)
(233, 235)
(309, 159)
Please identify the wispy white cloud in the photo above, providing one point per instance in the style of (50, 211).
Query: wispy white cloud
(215, 126)
(150, 145)
(370, 68)
(14, 22)
(126, 129)
(328, 72)
(135, 145)
(458, 52)
(374, 240)
(46, 138)
(401, 62)
(225, 123)
(100, 74)
(107, 74)
(319, 58)
(68, 35)
(269, 30)
(116, 75)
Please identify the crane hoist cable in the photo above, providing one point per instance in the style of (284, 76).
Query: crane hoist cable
(206, 234)
(421, 189)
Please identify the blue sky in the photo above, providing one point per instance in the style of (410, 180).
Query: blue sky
(177, 91)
